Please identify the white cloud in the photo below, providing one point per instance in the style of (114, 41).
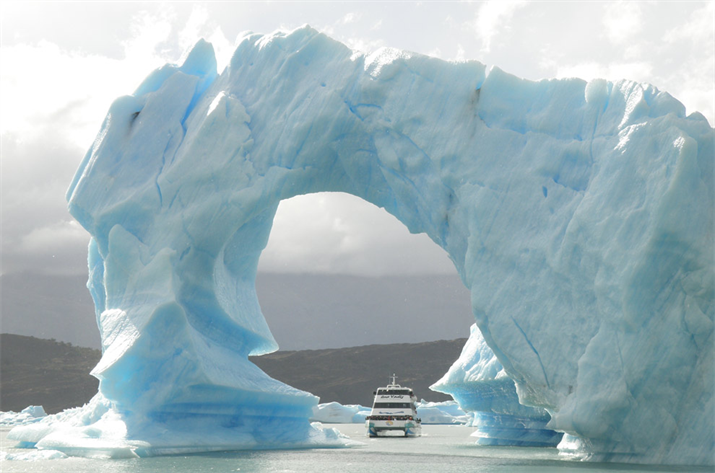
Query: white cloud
(201, 25)
(492, 17)
(149, 30)
(622, 21)
(637, 71)
(340, 233)
(54, 96)
(194, 27)
(693, 82)
(698, 30)
(54, 238)
(39, 81)
(436, 52)
(460, 56)
(53, 102)
(363, 44)
(351, 17)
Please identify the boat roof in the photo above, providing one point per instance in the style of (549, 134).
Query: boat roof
(393, 386)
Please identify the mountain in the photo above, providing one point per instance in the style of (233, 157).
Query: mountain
(56, 375)
(350, 375)
(48, 306)
(43, 372)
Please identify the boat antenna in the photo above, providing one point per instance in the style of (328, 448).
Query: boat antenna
(393, 379)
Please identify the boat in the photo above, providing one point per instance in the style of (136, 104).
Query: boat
(393, 412)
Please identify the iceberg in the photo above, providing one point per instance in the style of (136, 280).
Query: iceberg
(28, 415)
(479, 384)
(336, 413)
(445, 412)
(33, 455)
(579, 214)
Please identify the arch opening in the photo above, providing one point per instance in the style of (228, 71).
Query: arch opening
(330, 247)
(357, 280)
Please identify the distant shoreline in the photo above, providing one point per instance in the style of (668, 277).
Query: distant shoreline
(55, 375)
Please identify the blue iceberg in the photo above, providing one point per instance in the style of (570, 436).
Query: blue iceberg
(579, 214)
(478, 382)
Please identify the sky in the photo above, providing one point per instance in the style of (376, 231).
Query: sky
(63, 63)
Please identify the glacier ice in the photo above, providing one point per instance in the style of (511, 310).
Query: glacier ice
(445, 412)
(580, 215)
(28, 415)
(478, 382)
(33, 455)
(336, 413)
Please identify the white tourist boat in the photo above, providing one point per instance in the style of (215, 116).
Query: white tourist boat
(393, 412)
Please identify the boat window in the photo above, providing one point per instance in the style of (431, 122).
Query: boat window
(394, 391)
(392, 405)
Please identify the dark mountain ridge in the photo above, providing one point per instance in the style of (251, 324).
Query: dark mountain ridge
(56, 375)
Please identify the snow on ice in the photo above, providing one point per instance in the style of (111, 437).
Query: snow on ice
(579, 214)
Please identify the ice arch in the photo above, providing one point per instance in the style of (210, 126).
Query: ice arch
(580, 215)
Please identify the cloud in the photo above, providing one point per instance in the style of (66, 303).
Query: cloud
(351, 17)
(622, 21)
(460, 56)
(632, 43)
(56, 91)
(35, 176)
(201, 25)
(340, 233)
(363, 44)
(54, 101)
(343, 29)
(492, 17)
(694, 81)
(637, 71)
(54, 238)
(698, 29)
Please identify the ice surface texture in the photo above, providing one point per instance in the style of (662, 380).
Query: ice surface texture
(28, 415)
(478, 382)
(579, 214)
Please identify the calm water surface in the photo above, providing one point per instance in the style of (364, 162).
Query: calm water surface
(440, 449)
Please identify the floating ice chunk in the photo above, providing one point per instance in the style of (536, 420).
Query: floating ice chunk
(33, 455)
(28, 415)
(336, 413)
(445, 412)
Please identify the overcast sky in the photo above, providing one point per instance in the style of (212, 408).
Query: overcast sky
(62, 64)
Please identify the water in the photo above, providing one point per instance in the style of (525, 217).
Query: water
(440, 449)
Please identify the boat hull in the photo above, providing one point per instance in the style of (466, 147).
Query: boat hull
(389, 428)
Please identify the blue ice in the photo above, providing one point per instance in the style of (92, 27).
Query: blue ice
(579, 214)
(478, 382)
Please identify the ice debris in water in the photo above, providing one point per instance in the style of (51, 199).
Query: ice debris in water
(32, 455)
(445, 412)
(336, 413)
(580, 215)
(28, 415)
